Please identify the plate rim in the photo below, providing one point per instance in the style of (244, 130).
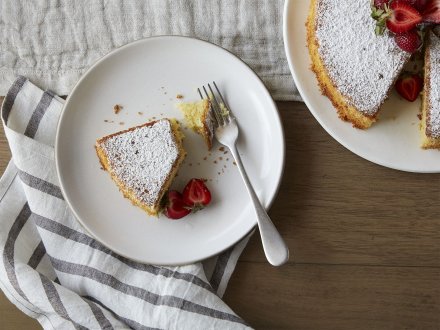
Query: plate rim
(268, 203)
(341, 141)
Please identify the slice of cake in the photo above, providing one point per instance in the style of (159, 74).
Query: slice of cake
(430, 125)
(198, 116)
(143, 161)
(355, 68)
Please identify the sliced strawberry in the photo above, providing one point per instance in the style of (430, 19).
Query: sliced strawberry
(176, 207)
(196, 194)
(403, 17)
(409, 41)
(409, 87)
(431, 13)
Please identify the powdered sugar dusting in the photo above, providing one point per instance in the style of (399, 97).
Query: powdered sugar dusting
(143, 158)
(363, 66)
(433, 124)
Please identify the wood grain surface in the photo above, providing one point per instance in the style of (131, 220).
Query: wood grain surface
(365, 243)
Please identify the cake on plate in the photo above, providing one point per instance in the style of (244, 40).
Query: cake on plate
(143, 161)
(199, 117)
(355, 68)
(430, 124)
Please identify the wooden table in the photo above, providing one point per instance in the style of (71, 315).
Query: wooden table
(365, 243)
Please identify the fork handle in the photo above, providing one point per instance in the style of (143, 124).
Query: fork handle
(275, 249)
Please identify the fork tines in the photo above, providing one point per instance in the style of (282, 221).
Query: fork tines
(219, 107)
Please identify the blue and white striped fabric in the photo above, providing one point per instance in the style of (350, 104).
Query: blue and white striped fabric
(53, 271)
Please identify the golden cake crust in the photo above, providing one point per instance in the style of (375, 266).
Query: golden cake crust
(428, 142)
(327, 86)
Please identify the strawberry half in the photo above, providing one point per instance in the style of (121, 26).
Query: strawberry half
(431, 13)
(409, 87)
(176, 207)
(409, 41)
(196, 194)
(403, 17)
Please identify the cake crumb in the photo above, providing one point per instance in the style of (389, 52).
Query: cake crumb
(234, 163)
(225, 152)
(179, 96)
(419, 115)
(227, 159)
(117, 108)
(220, 158)
(105, 121)
(190, 164)
(140, 113)
(121, 123)
(205, 158)
(215, 162)
(221, 149)
(218, 173)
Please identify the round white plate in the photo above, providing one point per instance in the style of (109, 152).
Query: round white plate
(145, 77)
(393, 141)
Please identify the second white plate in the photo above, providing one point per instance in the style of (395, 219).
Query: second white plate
(393, 141)
(145, 77)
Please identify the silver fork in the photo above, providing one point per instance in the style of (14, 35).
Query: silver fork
(226, 133)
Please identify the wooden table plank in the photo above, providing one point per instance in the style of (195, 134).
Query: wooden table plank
(335, 297)
(365, 242)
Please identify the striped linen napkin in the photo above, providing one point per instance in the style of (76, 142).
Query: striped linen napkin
(53, 271)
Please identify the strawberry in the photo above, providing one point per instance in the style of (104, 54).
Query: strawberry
(431, 12)
(408, 2)
(196, 194)
(420, 5)
(403, 17)
(380, 4)
(175, 206)
(409, 86)
(409, 41)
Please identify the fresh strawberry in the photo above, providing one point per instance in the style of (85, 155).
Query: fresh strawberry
(409, 87)
(196, 194)
(403, 17)
(420, 5)
(408, 2)
(175, 206)
(409, 41)
(381, 3)
(431, 12)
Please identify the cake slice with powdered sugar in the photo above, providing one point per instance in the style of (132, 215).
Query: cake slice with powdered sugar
(356, 69)
(143, 161)
(430, 125)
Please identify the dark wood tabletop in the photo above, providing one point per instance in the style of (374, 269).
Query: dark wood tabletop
(364, 242)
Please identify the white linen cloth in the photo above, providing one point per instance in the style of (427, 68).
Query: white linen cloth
(54, 42)
(53, 271)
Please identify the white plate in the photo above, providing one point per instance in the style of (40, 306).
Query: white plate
(393, 141)
(145, 76)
